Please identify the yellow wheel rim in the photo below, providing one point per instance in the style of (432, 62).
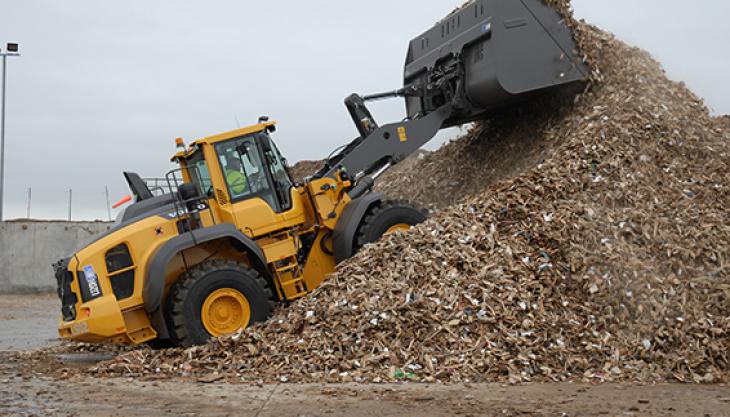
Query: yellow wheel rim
(225, 311)
(396, 227)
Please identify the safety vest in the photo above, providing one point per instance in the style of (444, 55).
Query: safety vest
(237, 182)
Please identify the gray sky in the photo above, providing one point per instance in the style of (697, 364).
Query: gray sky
(104, 86)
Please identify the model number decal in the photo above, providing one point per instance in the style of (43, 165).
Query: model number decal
(184, 211)
(176, 214)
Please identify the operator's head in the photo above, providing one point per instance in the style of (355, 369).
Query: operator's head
(234, 164)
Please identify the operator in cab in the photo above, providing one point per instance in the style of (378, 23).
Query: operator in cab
(235, 176)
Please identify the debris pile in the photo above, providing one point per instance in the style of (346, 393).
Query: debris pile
(724, 121)
(303, 169)
(503, 147)
(602, 257)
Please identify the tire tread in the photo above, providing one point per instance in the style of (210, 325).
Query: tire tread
(361, 238)
(180, 290)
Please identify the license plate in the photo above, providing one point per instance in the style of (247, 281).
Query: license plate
(92, 281)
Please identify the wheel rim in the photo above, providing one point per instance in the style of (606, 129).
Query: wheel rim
(225, 311)
(396, 227)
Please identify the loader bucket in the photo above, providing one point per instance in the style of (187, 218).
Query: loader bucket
(489, 54)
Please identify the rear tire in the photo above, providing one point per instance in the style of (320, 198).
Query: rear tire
(215, 298)
(385, 217)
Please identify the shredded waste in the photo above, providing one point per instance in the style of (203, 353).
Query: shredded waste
(589, 242)
(724, 122)
(303, 169)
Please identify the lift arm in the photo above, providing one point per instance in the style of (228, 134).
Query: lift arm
(380, 147)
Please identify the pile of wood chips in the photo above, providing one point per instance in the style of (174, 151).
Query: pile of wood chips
(724, 121)
(600, 252)
(304, 169)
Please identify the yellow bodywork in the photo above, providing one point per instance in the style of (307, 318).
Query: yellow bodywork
(316, 207)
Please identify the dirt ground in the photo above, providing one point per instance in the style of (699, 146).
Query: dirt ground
(28, 322)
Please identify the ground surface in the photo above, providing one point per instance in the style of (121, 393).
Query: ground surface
(28, 322)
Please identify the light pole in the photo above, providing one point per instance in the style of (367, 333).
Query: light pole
(12, 50)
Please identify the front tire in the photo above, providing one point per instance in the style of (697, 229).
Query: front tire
(213, 299)
(387, 217)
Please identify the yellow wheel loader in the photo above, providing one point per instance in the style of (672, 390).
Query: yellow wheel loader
(234, 234)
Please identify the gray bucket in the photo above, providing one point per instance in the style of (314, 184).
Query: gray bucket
(489, 54)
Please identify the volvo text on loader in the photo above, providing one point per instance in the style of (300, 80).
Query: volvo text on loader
(235, 234)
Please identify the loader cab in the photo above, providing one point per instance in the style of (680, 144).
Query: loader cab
(244, 177)
(253, 167)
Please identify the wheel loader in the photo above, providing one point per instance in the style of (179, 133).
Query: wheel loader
(234, 235)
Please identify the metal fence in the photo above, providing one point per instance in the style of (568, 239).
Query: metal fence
(158, 187)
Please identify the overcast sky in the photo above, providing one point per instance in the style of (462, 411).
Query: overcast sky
(102, 87)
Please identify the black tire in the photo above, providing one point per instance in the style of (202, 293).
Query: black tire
(384, 215)
(186, 298)
(160, 344)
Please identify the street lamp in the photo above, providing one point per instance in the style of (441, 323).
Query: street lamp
(12, 50)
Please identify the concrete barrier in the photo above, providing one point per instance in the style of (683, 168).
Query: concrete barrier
(28, 248)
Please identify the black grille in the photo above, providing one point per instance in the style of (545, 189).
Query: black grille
(64, 278)
(222, 199)
(118, 258)
(118, 264)
(123, 285)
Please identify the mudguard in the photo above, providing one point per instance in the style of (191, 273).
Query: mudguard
(154, 286)
(343, 239)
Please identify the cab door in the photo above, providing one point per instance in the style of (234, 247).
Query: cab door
(253, 205)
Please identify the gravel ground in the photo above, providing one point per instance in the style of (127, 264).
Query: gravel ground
(28, 322)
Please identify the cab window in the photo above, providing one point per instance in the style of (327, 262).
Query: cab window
(244, 171)
(198, 171)
(280, 176)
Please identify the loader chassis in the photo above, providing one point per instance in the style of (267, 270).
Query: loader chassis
(234, 233)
